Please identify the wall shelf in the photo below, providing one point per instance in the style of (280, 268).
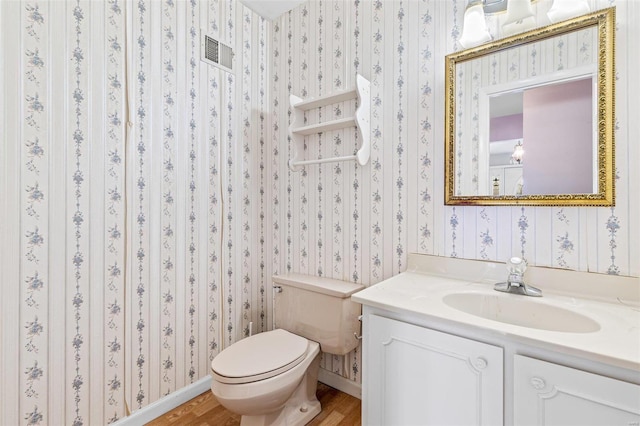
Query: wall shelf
(361, 120)
(327, 126)
(327, 100)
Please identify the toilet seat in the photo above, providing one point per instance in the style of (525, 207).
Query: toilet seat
(259, 357)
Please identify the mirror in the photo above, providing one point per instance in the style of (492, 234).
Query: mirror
(530, 118)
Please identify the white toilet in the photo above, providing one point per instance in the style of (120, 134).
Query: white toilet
(270, 378)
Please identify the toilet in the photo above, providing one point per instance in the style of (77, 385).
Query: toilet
(271, 378)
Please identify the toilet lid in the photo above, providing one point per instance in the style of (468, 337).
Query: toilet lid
(259, 357)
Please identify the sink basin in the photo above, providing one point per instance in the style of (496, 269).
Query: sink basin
(522, 311)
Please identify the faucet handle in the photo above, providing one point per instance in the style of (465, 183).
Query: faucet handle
(516, 265)
(515, 282)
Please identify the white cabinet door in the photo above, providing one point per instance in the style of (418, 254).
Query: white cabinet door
(513, 178)
(550, 394)
(417, 376)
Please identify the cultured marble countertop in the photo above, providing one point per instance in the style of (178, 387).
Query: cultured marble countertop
(616, 343)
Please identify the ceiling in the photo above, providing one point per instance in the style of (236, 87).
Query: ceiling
(271, 9)
(506, 104)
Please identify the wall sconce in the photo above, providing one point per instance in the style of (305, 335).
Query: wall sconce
(518, 152)
(565, 9)
(474, 30)
(520, 17)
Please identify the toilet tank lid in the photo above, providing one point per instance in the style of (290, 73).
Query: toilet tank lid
(328, 286)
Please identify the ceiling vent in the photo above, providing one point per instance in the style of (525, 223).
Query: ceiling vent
(215, 53)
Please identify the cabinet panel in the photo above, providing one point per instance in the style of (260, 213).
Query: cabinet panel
(419, 376)
(551, 394)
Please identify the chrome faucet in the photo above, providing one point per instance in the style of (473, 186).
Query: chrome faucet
(515, 282)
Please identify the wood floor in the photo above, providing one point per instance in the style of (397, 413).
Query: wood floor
(338, 408)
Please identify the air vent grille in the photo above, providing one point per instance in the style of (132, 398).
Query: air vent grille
(217, 53)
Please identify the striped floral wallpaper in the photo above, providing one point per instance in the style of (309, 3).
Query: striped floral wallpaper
(147, 198)
(358, 223)
(133, 231)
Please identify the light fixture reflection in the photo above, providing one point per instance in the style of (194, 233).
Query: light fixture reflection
(565, 9)
(474, 31)
(518, 153)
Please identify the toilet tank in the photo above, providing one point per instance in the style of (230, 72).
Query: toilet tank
(319, 309)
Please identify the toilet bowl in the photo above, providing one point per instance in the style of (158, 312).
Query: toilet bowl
(271, 378)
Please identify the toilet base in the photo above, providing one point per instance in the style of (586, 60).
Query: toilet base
(289, 416)
(299, 409)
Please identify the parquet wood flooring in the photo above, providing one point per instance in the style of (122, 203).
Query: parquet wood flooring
(338, 409)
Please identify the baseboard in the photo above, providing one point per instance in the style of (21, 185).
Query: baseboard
(179, 397)
(166, 404)
(341, 383)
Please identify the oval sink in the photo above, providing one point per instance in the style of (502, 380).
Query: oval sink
(521, 311)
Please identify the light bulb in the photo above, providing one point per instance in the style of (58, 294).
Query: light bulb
(474, 31)
(565, 9)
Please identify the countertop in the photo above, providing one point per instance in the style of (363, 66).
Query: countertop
(420, 293)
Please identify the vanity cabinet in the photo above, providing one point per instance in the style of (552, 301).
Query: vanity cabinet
(440, 346)
(417, 376)
(551, 394)
(418, 372)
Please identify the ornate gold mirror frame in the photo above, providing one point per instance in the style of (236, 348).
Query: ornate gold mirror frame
(604, 21)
